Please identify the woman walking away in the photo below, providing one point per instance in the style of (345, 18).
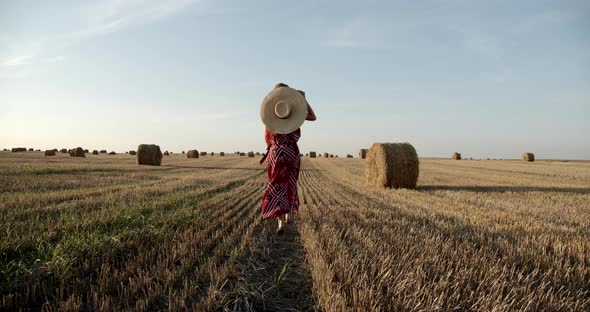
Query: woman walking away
(283, 111)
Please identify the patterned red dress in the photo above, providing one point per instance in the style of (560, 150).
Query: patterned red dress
(283, 166)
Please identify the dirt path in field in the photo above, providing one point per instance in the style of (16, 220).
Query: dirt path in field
(272, 276)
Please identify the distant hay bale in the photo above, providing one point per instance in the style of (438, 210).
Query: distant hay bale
(86, 151)
(18, 149)
(456, 156)
(149, 154)
(349, 156)
(312, 154)
(183, 152)
(331, 155)
(112, 153)
(77, 152)
(203, 153)
(166, 153)
(192, 154)
(37, 150)
(250, 154)
(31, 150)
(212, 153)
(528, 157)
(222, 154)
(49, 153)
(393, 165)
(132, 153)
(363, 153)
(257, 153)
(326, 155)
(95, 152)
(242, 154)
(103, 151)
(63, 150)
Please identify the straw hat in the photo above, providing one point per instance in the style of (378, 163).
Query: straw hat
(283, 110)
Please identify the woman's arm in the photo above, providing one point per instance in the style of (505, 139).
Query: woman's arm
(310, 114)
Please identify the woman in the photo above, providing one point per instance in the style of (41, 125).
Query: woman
(283, 111)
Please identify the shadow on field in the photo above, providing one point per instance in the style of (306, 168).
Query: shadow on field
(484, 189)
(171, 167)
(273, 276)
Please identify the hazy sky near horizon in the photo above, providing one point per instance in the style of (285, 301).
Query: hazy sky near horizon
(485, 78)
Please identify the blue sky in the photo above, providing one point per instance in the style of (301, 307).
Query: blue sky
(485, 78)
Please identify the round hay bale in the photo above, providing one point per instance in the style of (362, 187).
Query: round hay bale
(18, 149)
(77, 152)
(222, 154)
(312, 154)
(63, 150)
(349, 156)
(528, 157)
(192, 154)
(112, 153)
(86, 151)
(363, 153)
(212, 153)
(183, 152)
(31, 150)
(132, 153)
(242, 154)
(456, 156)
(149, 154)
(103, 151)
(393, 165)
(326, 155)
(49, 153)
(166, 153)
(250, 154)
(95, 152)
(331, 155)
(203, 153)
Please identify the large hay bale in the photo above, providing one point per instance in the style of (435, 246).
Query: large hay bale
(95, 152)
(77, 152)
(222, 154)
(149, 154)
(456, 156)
(18, 149)
(528, 157)
(392, 165)
(63, 150)
(49, 153)
(250, 154)
(132, 152)
(166, 153)
(363, 153)
(311, 154)
(192, 154)
(112, 153)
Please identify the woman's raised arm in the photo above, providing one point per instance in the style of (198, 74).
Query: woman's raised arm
(310, 113)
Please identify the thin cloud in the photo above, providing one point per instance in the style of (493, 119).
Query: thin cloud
(17, 61)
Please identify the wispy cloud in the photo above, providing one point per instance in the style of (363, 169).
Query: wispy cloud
(100, 18)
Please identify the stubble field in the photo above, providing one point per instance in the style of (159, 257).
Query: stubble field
(103, 234)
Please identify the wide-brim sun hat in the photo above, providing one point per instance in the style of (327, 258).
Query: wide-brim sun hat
(283, 110)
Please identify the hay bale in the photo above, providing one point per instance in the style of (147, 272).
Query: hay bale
(112, 153)
(77, 152)
(456, 156)
(31, 150)
(392, 165)
(18, 149)
(250, 154)
(257, 153)
(331, 155)
(166, 153)
(86, 151)
(326, 155)
(183, 152)
(222, 154)
(311, 154)
(95, 152)
(192, 154)
(363, 153)
(37, 150)
(103, 151)
(63, 150)
(149, 154)
(349, 156)
(242, 154)
(212, 153)
(203, 153)
(528, 157)
(49, 153)
(132, 152)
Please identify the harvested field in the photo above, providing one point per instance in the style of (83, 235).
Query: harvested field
(103, 233)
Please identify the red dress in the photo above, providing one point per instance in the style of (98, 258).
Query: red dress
(284, 162)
